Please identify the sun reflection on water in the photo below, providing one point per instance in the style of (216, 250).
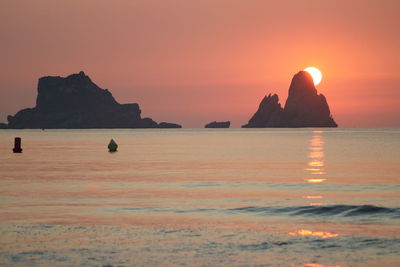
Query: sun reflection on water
(315, 165)
(319, 265)
(315, 180)
(313, 197)
(315, 168)
(316, 204)
(304, 232)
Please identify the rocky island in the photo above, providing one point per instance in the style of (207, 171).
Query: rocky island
(304, 107)
(218, 124)
(168, 125)
(75, 102)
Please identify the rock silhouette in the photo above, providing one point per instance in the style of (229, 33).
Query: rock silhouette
(269, 114)
(76, 102)
(304, 107)
(168, 125)
(217, 124)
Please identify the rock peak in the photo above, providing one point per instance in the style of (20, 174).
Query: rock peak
(80, 76)
(302, 83)
(304, 107)
(269, 113)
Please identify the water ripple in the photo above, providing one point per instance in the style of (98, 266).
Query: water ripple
(332, 210)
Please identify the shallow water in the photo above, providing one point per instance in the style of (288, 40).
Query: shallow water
(273, 197)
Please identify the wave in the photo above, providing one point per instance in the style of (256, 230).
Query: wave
(331, 210)
(342, 243)
(362, 211)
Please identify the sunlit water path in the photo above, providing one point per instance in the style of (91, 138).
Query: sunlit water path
(274, 197)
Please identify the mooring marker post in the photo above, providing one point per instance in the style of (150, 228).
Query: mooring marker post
(17, 145)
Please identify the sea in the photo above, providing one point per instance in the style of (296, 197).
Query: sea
(201, 197)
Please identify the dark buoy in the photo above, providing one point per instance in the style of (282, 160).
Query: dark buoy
(112, 146)
(17, 145)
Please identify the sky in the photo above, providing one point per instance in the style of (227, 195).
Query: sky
(196, 61)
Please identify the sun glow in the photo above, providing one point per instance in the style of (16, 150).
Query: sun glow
(313, 197)
(314, 180)
(315, 74)
(304, 232)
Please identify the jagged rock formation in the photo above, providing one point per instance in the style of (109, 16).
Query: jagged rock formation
(168, 125)
(218, 124)
(304, 107)
(269, 113)
(3, 126)
(76, 102)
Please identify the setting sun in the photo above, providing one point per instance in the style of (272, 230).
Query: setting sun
(315, 74)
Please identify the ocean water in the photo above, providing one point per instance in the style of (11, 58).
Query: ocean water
(201, 197)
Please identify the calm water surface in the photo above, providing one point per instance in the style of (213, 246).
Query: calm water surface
(218, 197)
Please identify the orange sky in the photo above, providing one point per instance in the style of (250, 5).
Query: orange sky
(195, 61)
